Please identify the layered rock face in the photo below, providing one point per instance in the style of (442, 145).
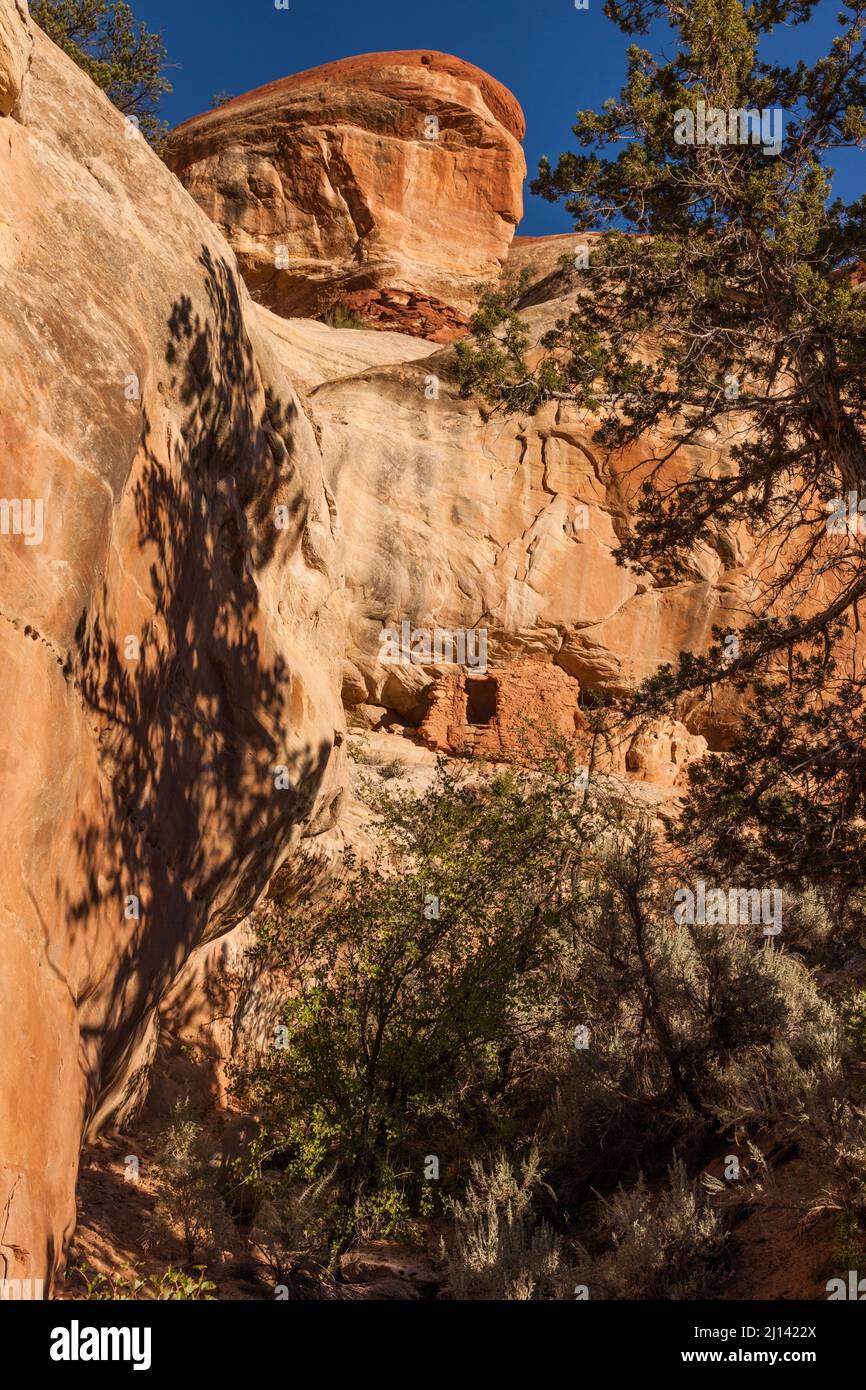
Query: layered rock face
(372, 180)
(169, 654)
(451, 519)
(456, 520)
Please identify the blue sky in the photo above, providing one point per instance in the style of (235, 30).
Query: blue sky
(556, 59)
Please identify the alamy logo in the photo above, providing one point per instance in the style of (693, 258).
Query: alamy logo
(729, 907)
(420, 646)
(710, 126)
(853, 1288)
(23, 517)
(76, 1343)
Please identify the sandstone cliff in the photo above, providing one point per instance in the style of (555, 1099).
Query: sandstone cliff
(165, 647)
(456, 518)
(232, 504)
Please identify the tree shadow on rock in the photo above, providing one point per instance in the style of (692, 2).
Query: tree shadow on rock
(198, 795)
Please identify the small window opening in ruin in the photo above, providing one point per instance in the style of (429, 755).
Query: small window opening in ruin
(480, 700)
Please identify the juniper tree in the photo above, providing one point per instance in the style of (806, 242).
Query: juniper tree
(720, 308)
(116, 51)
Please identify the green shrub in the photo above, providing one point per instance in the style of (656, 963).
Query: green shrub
(836, 1140)
(850, 1249)
(186, 1186)
(172, 1284)
(342, 317)
(500, 1248)
(854, 1021)
(550, 997)
(668, 1244)
(692, 1028)
(407, 1025)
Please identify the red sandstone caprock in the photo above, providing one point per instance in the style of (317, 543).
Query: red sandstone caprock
(393, 171)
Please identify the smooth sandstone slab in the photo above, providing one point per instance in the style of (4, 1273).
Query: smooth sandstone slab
(163, 646)
(16, 43)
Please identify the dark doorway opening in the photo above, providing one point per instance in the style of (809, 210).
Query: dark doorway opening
(480, 700)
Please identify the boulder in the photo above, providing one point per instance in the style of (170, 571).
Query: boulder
(363, 182)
